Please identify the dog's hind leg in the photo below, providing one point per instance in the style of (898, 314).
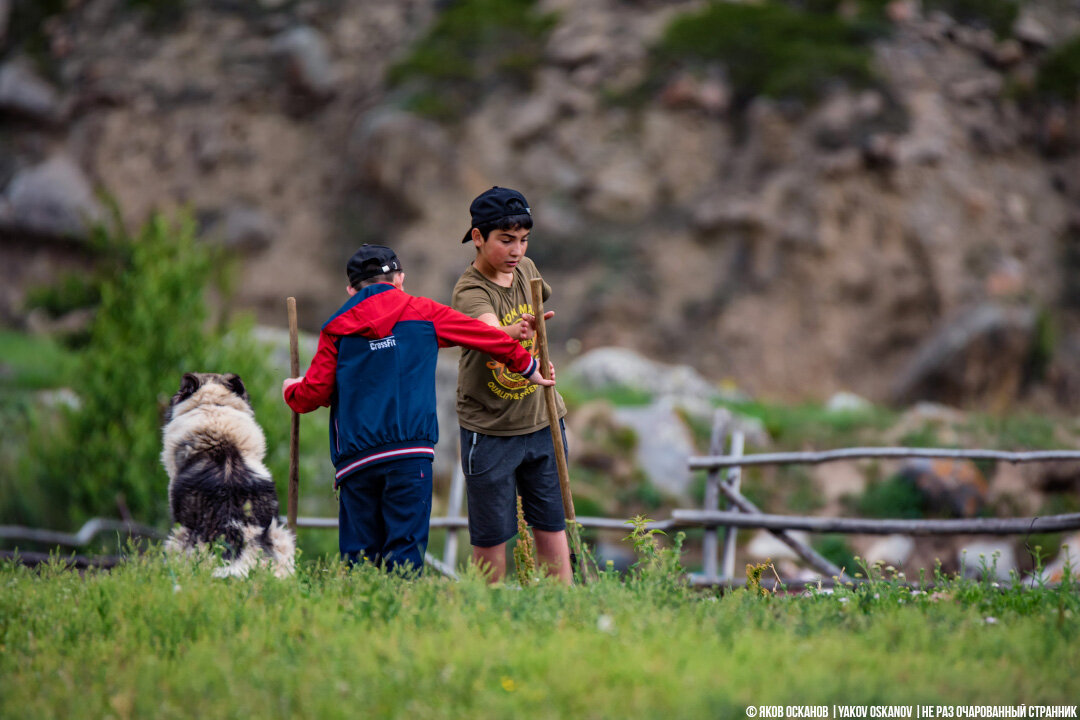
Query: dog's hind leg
(179, 540)
(243, 551)
(282, 548)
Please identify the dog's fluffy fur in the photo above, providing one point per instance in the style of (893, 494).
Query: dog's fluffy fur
(218, 486)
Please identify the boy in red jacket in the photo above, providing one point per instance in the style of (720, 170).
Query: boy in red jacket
(375, 369)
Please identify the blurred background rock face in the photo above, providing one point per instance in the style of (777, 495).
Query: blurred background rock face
(804, 197)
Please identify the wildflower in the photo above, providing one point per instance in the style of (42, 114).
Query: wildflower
(605, 623)
(842, 599)
(508, 684)
(176, 588)
(991, 620)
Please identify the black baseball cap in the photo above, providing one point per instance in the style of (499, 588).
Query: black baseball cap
(495, 204)
(369, 261)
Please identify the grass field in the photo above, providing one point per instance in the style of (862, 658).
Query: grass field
(162, 639)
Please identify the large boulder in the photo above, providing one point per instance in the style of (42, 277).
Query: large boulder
(53, 199)
(303, 57)
(978, 356)
(993, 558)
(954, 488)
(664, 444)
(613, 367)
(403, 157)
(24, 94)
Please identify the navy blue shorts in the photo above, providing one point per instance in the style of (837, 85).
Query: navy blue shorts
(497, 469)
(384, 512)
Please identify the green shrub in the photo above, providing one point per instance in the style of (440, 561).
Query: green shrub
(473, 47)
(997, 15)
(73, 291)
(151, 327)
(769, 49)
(836, 549)
(894, 497)
(1059, 73)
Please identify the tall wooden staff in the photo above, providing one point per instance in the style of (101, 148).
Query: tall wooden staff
(294, 435)
(536, 285)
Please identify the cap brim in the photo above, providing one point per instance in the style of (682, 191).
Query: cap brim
(468, 236)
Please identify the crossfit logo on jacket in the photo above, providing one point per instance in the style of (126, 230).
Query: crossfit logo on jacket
(383, 344)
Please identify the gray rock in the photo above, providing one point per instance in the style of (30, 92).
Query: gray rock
(744, 214)
(25, 94)
(975, 354)
(971, 90)
(623, 189)
(846, 402)
(246, 229)
(614, 367)
(303, 56)
(535, 116)
(998, 556)
(766, 546)
(404, 157)
(890, 550)
(1029, 30)
(53, 199)
(664, 445)
(574, 44)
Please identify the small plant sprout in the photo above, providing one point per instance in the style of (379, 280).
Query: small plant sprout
(524, 556)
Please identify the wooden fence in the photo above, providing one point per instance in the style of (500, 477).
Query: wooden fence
(722, 479)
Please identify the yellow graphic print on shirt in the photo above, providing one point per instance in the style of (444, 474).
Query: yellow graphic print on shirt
(511, 385)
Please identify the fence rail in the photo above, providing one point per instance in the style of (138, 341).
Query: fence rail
(716, 462)
(723, 479)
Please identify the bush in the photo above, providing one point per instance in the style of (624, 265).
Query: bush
(473, 47)
(1059, 74)
(895, 497)
(769, 49)
(153, 325)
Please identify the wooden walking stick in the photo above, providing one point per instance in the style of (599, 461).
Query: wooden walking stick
(294, 435)
(536, 285)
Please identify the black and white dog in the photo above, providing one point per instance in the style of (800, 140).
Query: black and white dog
(218, 486)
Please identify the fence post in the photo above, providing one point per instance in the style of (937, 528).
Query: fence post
(453, 509)
(709, 544)
(733, 481)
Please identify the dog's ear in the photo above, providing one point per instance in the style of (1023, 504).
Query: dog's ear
(188, 385)
(234, 383)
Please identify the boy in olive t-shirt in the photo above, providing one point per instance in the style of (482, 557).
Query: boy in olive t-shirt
(506, 446)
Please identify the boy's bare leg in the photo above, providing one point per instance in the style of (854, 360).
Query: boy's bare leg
(492, 560)
(553, 552)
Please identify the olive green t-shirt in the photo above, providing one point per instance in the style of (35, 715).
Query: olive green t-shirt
(491, 399)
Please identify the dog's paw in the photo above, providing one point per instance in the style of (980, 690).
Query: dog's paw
(231, 570)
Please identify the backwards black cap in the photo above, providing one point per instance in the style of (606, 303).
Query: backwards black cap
(495, 204)
(369, 261)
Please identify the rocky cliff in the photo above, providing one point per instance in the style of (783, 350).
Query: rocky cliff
(910, 236)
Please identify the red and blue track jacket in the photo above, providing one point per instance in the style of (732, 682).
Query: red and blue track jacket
(375, 368)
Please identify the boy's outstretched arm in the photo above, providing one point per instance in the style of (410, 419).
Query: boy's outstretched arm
(523, 329)
(455, 328)
(314, 388)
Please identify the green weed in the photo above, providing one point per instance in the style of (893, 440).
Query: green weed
(158, 637)
(473, 47)
(152, 325)
(769, 48)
